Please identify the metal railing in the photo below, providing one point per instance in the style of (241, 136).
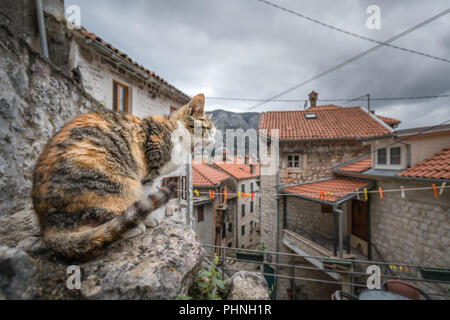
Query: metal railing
(320, 238)
(352, 277)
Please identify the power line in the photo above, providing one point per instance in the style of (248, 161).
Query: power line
(354, 58)
(362, 98)
(349, 32)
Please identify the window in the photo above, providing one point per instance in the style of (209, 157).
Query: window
(293, 162)
(166, 182)
(121, 94)
(395, 155)
(243, 210)
(251, 187)
(389, 156)
(230, 227)
(224, 231)
(200, 214)
(251, 206)
(382, 156)
(251, 225)
(230, 245)
(243, 229)
(243, 188)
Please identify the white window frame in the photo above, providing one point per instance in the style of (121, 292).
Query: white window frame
(299, 161)
(388, 164)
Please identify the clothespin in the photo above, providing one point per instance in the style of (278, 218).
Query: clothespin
(252, 195)
(209, 193)
(381, 192)
(401, 268)
(154, 188)
(239, 195)
(441, 191)
(243, 195)
(365, 193)
(403, 192)
(320, 194)
(213, 194)
(158, 188)
(435, 191)
(406, 269)
(225, 194)
(328, 195)
(196, 193)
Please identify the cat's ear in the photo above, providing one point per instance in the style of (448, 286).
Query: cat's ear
(197, 106)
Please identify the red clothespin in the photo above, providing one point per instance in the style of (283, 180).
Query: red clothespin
(225, 194)
(213, 194)
(252, 195)
(435, 191)
(381, 192)
(209, 193)
(243, 195)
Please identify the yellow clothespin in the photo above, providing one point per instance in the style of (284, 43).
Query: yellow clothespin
(328, 195)
(365, 193)
(196, 193)
(239, 195)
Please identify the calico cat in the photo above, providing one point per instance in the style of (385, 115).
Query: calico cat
(88, 183)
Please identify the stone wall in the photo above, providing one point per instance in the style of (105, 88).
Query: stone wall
(250, 238)
(36, 100)
(305, 214)
(317, 159)
(414, 230)
(268, 211)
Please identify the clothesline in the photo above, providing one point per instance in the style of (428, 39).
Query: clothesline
(437, 190)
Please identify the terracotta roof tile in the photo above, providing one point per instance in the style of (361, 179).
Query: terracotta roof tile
(342, 186)
(238, 170)
(434, 167)
(331, 122)
(358, 166)
(204, 175)
(389, 121)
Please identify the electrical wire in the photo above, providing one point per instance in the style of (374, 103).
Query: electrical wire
(354, 58)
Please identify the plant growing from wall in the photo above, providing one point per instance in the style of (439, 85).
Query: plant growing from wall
(207, 285)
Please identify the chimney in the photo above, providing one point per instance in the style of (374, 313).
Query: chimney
(252, 168)
(313, 99)
(246, 160)
(224, 155)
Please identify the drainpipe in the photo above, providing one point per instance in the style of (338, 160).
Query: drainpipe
(41, 26)
(339, 212)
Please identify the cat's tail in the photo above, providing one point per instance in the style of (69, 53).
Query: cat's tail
(84, 244)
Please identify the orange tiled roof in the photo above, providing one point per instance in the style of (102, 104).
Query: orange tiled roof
(342, 186)
(238, 170)
(94, 37)
(389, 121)
(358, 166)
(434, 167)
(204, 175)
(332, 122)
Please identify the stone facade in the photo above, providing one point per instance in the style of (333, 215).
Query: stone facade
(247, 223)
(415, 229)
(317, 159)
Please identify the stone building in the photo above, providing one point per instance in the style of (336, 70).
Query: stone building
(246, 177)
(311, 143)
(215, 206)
(98, 70)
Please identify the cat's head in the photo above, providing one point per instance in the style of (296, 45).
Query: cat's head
(192, 115)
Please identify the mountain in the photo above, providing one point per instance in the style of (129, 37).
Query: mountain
(232, 120)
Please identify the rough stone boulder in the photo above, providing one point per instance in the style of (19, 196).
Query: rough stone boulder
(246, 285)
(161, 263)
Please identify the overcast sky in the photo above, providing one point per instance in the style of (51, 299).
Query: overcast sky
(246, 49)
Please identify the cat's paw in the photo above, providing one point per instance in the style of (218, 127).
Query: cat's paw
(152, 221)
(140, 229)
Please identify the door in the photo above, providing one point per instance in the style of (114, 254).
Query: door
(359, 219)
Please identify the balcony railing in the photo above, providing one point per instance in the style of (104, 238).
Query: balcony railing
(320, 238)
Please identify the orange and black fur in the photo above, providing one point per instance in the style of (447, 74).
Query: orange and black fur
(88, 183)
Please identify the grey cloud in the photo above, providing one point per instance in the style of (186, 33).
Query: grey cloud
(242, 48)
